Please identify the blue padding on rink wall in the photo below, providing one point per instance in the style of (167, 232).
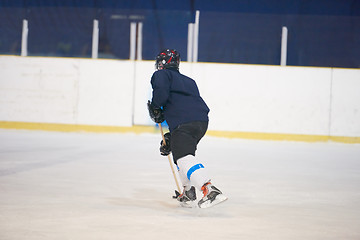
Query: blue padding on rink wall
(323, 33)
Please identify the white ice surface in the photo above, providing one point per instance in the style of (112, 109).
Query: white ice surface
(86, 186)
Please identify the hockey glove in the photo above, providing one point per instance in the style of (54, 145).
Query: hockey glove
(156, 113)
(165, 149)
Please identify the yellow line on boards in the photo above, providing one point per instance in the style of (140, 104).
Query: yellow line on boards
(76, 128)
(270, 136)
(153, 129)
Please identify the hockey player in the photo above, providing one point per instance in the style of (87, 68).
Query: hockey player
(176, 99)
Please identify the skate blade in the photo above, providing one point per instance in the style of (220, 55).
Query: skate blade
(219, 199)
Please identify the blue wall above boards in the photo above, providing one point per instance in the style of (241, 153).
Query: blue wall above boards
(323, 33)
(302, 7)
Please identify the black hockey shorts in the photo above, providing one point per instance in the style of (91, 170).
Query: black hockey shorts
(185, 138)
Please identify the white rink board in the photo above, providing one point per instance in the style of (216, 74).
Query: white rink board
(65, 90)
(266, 98)
(105, 93)
(142, 92)
(38, 89)
(345, 107)
(244, 98)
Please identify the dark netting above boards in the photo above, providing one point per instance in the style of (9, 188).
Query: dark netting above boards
(227, 37)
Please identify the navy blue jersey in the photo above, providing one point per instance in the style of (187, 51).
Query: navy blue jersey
(179, 96)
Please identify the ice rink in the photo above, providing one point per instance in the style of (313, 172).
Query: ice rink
(88, 186)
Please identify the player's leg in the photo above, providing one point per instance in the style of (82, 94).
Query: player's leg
(192, 172)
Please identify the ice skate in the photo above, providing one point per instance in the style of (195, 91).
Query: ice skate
(187, 198)
(212, 196)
